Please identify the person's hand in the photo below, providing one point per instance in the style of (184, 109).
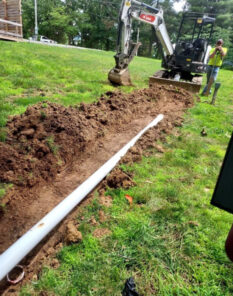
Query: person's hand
(218, 48)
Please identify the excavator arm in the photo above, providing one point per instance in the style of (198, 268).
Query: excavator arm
(126, 49)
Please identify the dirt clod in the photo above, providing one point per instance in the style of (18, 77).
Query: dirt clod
(101, 232)
(159, 148)
(55, 263)
(72, 234)
(93, 221)
(102, 216)
(194, 223)
(50, 251)
(118, 179)
(105, 201)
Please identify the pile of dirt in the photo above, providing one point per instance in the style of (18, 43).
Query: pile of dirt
(48, 136)
(72, 234)
(118, 179)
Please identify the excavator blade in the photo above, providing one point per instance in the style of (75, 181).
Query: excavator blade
(119, 77)
(194, 86)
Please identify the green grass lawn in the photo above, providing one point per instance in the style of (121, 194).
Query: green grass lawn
(171, 240)
(30, 73)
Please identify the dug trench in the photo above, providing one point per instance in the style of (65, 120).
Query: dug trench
(51, 149)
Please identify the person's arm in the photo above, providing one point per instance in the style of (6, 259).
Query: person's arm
(222, 52)
(213, 54)
(220, 49)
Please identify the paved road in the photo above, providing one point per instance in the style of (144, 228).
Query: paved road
(59, 45)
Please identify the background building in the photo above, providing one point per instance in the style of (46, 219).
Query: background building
(11, 20)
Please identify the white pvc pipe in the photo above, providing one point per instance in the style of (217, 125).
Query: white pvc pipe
(16, 252)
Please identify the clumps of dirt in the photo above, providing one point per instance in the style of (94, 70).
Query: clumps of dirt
(54, 263)
(40, 141)
(49, 136)
(93, 221)
(133, 155)
(193, 223)
(116, 179)
(72, 234)
(105, 201)
(102, 216)
(119, 179)
(101, 232)
(159, 148)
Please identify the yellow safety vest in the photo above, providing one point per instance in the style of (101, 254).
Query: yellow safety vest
(217, 59)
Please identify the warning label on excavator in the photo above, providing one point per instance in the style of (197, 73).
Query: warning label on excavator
(127, 3)
(147, 17)
(199, 20)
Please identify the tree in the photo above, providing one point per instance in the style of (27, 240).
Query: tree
(52, 19)
(223, 11)
(99, 28)
(96, 22)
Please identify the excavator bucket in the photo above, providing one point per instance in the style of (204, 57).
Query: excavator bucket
(193, 86)
(119, 77)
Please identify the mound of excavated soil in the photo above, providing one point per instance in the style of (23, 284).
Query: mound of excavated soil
(51, 149)
(48, 136)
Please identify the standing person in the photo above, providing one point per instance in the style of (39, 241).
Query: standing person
(216, 56)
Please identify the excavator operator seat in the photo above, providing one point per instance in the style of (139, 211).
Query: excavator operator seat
(200, 47)
(183, 48)
(195, 50)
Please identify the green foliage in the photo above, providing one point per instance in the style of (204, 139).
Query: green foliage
(3, 189)
(52, 19)
(3, 134)
(96, 22)
(2, 192)
(98, 27)
(223, 10)
(60, 20)
(43, 115)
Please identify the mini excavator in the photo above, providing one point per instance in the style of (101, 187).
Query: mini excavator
(183, 63)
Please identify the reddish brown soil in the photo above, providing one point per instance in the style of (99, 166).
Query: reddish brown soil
(51, 149)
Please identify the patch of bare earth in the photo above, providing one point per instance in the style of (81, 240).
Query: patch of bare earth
(105, 201)
(101, 232)
(51, 149)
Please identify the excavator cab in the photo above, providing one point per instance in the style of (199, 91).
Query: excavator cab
(189, 61)
(192, 44)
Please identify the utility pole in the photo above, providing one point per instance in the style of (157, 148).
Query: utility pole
(138, 32)
(36, 21)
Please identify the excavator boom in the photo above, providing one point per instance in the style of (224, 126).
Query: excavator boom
(126, 49)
